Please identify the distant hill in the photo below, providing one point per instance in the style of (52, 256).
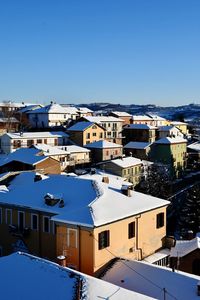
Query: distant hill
(188, 113)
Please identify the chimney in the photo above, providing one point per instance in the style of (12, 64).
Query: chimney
(126, 190)
(37, 177)
(61, 260)
(105, 179)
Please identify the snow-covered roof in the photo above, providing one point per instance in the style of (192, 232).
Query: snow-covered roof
(150, 280)
(29, 107)
(126, 162)
(53, 108)
(42, 134)
(139, 126)
(100, 203)
(50, 150)
(167, 128)
(102, 119)
(81, 126)
(176, 123)
(121, 114)
(74, 149)
(25, 276)
(137, 145)
(84, 110)
(141, 118)
(29, 156)
(184, 247)
(156, 117)
(103, 144)
(169, 140)
(195, 146)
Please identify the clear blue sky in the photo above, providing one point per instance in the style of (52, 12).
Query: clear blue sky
(80, 51)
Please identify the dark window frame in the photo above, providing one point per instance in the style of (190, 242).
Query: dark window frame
(131, 230)
(104, 239)
(160, 220)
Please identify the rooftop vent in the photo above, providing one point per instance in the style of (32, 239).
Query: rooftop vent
(52, 200)
(126, 189)
(37, 177)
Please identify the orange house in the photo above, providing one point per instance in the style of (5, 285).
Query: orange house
(84, 219)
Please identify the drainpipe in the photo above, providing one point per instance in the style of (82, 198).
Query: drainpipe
(79, 247)
(137, 242)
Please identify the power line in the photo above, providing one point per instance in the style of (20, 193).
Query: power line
(144, 277)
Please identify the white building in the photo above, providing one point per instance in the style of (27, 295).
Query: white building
(51, 115)
(12, 141)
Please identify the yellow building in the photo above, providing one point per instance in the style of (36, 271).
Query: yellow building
(130, 168)
(83, 133)
(171, 152)
(51, 216)
(181, 126)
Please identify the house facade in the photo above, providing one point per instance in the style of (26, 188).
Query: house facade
(130, 168)
(50, 116)
(83, 133)
(169, 131)
(126, 117)
(139, 133)
(138, 149)
(76, 156)
(171, 152)
(25, 159)
(59, 219)
(185, 256)
(112, 126)
(12, 141)
(104, 150)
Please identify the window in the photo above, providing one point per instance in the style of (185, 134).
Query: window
(104, 239)
(46, 227)
(56, 142)
(21, 220)
(39, 141)
(30, 143)
(45, 141)
(16, 144)
(88, 135)
(9, 216)
(94, 134)
(107, 152)
(34, 222)
(100, 135)
(131, 230)
(160, 220)
(72, 238)
(94, 127)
